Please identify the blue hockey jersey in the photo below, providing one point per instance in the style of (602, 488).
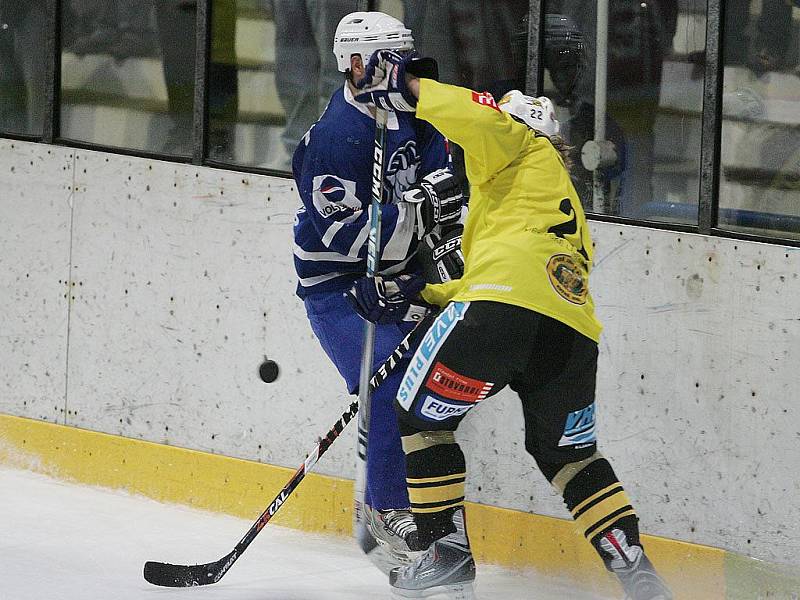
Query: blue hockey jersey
(332, 167)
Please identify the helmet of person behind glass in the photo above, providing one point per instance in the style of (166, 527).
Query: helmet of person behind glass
(536, 113)
(365, 32)
(564, 55)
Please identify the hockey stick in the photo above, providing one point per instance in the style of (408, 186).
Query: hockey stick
(169, 575)
(365, 539)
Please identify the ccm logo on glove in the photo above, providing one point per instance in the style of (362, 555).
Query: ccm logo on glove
(437, 199)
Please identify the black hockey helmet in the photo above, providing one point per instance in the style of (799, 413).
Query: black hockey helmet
(564, 55)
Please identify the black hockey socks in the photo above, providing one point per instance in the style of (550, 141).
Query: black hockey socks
(436, 471)
(599, 505)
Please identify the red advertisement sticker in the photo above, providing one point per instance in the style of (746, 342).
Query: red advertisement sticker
(486, 99)
(449, 384)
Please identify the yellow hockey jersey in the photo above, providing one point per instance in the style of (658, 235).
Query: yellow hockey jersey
(526, 241)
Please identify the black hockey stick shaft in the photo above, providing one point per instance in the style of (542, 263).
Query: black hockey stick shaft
(365, 540)
(169, 575)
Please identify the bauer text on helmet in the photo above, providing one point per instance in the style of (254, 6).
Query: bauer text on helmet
(536, 113)
(365, 32)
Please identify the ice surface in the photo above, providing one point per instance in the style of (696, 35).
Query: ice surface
(61, 541)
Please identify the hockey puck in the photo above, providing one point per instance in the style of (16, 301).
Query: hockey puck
(268, 371)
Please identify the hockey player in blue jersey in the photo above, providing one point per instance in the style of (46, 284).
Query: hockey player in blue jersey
(332, 167)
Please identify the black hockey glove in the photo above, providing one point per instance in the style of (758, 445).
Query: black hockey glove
(388, 300)
(440, 255)
(437, 199)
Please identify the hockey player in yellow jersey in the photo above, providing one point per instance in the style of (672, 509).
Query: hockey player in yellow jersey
(521, 315)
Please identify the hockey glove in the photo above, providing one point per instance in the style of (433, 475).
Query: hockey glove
(388, 300)
(384, 82)
(437, 199)
(440, 255)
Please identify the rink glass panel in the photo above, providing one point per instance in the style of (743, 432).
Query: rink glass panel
(479, 45)
(22, 72)
(760, 154)
(132, 80)
(654, 102)
(128, 73)
(272, 69)
(271, 74)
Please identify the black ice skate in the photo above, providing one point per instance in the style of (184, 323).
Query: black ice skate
(394, 530)
(635, 571)
(446, 567)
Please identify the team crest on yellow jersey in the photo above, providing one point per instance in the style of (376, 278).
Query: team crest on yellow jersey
(567, 278)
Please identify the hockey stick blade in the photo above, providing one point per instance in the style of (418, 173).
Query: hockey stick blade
(169, 575)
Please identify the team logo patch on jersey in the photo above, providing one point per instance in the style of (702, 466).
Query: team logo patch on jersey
(568, 278)
(401, 170)
(449, 384)
(485, 99)
(439, 410)
(579, 428)
(335, 198)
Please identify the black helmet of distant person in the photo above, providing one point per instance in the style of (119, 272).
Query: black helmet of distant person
(564, 55)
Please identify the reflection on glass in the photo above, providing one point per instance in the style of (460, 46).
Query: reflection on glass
(273, 68)
(223, 82)
(474, 42)
(128, 73)
(272, 73)
(654, 102)
(479, 45)
(22, 71)
(760, 164)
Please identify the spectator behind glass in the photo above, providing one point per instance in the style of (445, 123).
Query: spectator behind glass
(466, 37)
(763, 43)
(306, 74)
(565, 61)
(176, 21)
(640, 35)
(121, 28)
(22, 56)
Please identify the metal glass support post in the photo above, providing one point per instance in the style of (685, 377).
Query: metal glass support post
(534, 69)
(599, 201)
(711, 133)
(201, 81)
(52, 102)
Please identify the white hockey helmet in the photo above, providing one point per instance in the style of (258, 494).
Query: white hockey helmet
(365, 32)
(536, 113)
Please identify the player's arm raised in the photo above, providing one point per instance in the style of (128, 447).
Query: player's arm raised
(469, 118)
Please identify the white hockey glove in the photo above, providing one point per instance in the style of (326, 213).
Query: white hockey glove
(437, 199)
(384, 82)
(440, 255)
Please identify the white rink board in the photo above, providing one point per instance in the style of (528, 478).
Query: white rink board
(35, 196)
(696, 392)
(192, 279)
(697, 372)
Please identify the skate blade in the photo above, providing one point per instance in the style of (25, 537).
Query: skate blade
(458, 591)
